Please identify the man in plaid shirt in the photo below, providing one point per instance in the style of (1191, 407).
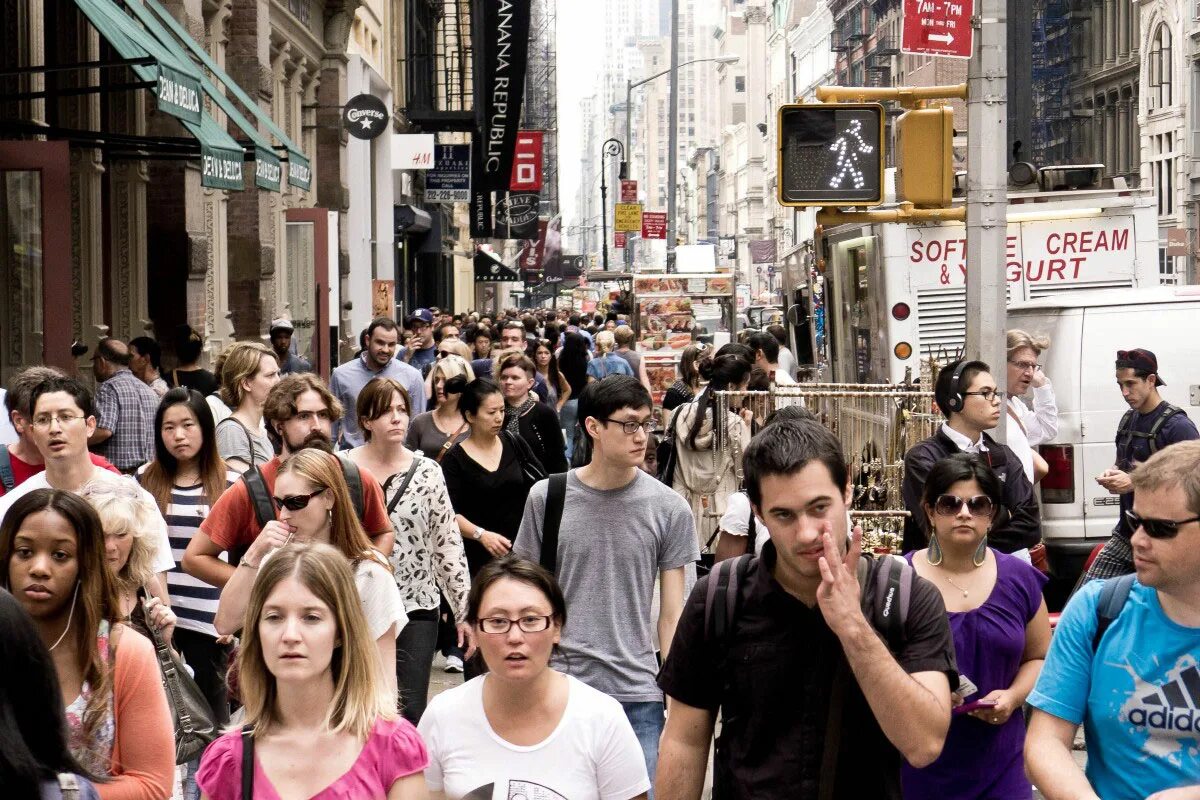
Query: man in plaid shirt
(125, 409)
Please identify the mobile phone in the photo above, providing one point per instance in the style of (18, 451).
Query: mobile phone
(975, 704)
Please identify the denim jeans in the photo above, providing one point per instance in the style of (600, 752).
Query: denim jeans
(567, 418)
(414, 659)
(648, 720)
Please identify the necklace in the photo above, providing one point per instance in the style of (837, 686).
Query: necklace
(955, 585)
(70, 616)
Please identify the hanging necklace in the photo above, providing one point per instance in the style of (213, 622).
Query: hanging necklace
(70, 616)
(955, 585)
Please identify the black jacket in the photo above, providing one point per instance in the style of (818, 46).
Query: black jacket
(1018, 521)
(540, 429)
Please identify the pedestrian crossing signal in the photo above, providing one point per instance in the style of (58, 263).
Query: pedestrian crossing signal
(831, 154)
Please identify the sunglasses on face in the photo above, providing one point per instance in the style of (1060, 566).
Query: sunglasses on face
(948, 505)
(1157, 528)
(296, 502)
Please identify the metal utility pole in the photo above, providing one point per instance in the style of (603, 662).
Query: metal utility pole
(987, 193)
(612, 147)
(673, 136)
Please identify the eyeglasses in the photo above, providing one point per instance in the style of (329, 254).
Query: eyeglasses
(530, 624)
(991, 395)
(1026, 366)
(948, 505)
(43, 421)
(1157, 528)
(296, 502)
(630, 428)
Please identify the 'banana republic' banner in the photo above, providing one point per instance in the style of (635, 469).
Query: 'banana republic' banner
(504, 44)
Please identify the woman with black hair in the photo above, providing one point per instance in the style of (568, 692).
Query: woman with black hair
(35, 762)
(710, 436)
(573, 364)
(1001, 633)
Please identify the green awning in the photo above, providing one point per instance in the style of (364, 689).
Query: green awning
(299, 167)
(178, 92)
(267, 169)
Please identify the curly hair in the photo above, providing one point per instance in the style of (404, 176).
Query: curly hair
(281, 402)
(122, 507)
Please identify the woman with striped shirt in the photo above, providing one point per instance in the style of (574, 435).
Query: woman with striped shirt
(185, 478)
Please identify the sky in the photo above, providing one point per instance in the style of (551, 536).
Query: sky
(580, 60)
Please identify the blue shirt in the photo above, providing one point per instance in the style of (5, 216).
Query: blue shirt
(611, 364)
(1132, 695)
(350, 378)
(420, 358)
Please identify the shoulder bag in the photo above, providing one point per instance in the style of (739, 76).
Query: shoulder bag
(531, 467)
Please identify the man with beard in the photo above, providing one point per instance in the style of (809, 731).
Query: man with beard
(300, 410)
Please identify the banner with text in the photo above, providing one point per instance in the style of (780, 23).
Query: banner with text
(503, 50)
(482, 226)
(627, 217)
(654, 225)
(527, 163)
(517, 215)
(450, 179)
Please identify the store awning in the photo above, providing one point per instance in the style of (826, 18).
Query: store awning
(490, 268)
(299, 174)
(178, 90)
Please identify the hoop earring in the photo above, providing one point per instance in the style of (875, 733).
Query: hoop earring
(980, 554)
(934, 555)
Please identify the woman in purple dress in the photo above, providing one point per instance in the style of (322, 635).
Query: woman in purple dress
(1001, 634)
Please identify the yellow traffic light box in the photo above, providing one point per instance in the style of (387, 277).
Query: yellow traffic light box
(924, 158)
(831, 154)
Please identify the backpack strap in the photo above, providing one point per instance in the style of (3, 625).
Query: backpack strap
(556, 497)
(247, 762)
(1113, 595)
(260, 496)
(1168, 412)
(7, 479)
(722, 597)
(893, 591)
(354, 483)
(408, 476)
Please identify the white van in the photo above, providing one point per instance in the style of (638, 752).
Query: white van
(1086, 330)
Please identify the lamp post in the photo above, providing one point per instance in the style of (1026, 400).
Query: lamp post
(611, 147)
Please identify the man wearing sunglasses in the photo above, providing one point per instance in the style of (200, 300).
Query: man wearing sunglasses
(1149, 425)
(967, 396)
(1124, 658)
(300, 410)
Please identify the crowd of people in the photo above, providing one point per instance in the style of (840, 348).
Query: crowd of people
(234, 584)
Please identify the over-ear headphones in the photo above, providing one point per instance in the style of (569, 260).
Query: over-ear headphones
(956, 401)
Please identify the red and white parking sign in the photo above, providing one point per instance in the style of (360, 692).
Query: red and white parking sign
(938, 28)
(654, 224)
(527, 163)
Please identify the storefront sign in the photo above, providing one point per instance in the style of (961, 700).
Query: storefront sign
(412, 151)
(628, 191)
(221, 169)
(1177, 241)
(365, 116)
(268, 172)
(654, 225)
(628, 217)
(504, 45)
(450, 179)
(550, 251)
(527, 163)
(178, 94)
(299, 172)
(517, 215)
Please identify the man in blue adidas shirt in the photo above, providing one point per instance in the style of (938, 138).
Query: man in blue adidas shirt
(1137, 690)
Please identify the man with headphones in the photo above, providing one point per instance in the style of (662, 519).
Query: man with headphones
(966, 393)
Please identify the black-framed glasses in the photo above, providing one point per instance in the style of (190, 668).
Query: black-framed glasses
(1157, 528)
(527, 624)
(947, 505)
(991, 395)
(630, 428)
(296, 502)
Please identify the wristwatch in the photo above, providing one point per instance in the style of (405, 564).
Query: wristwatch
(478, 533)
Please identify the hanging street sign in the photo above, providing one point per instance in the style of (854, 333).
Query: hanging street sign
(365, 116)
(654, 225)
(527, 163)
(412, 151)
(450, 179)
(938, 28)
(619, 239)
(627, 217)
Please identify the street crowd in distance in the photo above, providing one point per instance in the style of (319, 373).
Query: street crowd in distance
(234, 583)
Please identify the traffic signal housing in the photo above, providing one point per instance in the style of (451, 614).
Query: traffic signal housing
(924, 157)
(831, 154)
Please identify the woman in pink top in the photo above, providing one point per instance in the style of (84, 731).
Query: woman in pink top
(319, 718)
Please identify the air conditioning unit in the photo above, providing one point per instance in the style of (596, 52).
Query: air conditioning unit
(1068, 177)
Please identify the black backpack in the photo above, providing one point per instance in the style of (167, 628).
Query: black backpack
(7, 479)
(1126, 434)
(666, 453)
(1113, 595)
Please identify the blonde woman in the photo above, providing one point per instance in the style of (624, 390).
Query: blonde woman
(434, 432)
(248, 371)
(314, 505)
(319, 720)
(606, 361)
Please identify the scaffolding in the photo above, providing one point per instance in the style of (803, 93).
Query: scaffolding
(1051, 63)
(540, 112)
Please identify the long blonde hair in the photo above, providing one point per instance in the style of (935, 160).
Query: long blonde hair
(346, 532)
(360, 695)
(123, 508)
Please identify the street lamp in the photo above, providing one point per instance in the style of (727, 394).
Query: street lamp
(612, 147)
(631, 85)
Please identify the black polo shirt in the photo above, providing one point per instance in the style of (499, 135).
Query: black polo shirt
(774, 691)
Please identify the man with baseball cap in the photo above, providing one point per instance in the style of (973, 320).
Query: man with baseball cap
(1149, 425)
(281, 342)
(421, 351)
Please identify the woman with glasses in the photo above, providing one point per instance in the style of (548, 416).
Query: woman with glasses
(1001, 634)
(524, 729)
(428, 554)
(558, 390)
(313, 505)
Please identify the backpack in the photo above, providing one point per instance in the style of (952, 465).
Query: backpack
(1113, 595)
(556, 498)
(666, 454)
(1125, 429)
(7, 479)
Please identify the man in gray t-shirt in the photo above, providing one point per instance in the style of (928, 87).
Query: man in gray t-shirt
(620, 530)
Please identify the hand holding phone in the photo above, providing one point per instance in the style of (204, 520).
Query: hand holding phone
(975, 705)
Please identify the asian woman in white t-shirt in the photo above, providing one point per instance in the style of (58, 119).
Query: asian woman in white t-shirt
(523, 729)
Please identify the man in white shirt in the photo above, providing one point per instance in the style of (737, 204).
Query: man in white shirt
(1029, 428)
(766, 358)
(63, 419)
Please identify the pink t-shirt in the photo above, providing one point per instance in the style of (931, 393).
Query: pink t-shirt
(393, 750)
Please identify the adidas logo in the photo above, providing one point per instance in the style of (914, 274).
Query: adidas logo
(1173, 707)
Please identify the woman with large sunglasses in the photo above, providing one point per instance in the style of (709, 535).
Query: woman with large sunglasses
(1001, 634)
(523, 729)
(313, 505)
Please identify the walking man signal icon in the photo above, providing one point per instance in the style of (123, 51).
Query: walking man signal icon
(848, 154)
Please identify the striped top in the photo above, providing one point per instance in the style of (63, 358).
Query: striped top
(193, 601)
